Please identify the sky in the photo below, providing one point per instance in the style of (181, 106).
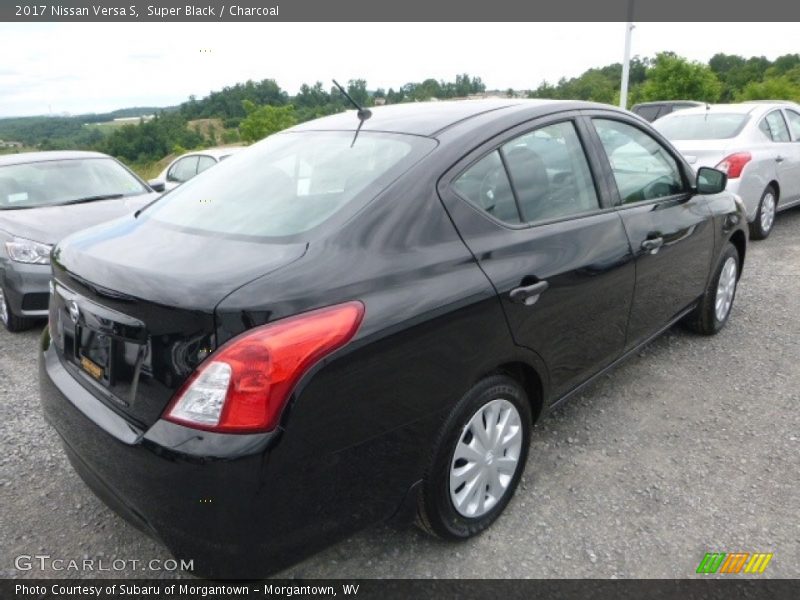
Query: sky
(52, 68)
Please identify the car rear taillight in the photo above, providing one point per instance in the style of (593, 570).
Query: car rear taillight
(244, 385)
(734, 163)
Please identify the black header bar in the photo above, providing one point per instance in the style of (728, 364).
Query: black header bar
(398, 10)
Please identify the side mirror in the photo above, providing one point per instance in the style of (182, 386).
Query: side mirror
(710, 181)
(157, 185)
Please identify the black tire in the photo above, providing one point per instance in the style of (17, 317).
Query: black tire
(437, 514)
(704, 319)
(757, 229)
(13, 322)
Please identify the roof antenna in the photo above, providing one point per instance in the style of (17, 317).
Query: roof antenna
(363, 113)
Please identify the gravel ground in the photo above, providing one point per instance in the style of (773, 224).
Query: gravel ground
(692, 446)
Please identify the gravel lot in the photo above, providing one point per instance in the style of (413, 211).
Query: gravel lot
(692, 446)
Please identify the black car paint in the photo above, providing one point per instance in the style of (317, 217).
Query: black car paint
(434, 275)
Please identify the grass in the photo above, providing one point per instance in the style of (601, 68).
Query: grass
(18, 150)
(151, 170)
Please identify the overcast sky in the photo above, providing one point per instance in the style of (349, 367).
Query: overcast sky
(97, 67)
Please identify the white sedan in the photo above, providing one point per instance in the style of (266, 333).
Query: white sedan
(186, 166)
(756, 143)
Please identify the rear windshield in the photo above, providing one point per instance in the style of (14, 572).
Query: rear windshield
(54, 182)
(289, 183)
(717, 126)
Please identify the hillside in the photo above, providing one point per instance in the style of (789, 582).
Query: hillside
(216, 118)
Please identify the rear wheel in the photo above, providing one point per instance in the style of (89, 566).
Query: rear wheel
(10, 320)
(765, 217)
(477, 460)
(715, 306)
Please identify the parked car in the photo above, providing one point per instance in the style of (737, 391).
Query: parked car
(336, 327)
(757, 144)
(43, 197)
(186, 166)
(650, 111)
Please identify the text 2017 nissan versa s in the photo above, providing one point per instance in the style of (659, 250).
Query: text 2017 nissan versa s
(328, 330)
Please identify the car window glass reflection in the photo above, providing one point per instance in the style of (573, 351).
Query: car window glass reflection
(550, 173)
(642, 167)
(485, 184)
(777, 127)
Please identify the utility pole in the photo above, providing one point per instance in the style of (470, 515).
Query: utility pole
(626, 61)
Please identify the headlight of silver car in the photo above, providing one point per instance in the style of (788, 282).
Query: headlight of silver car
(28, 251)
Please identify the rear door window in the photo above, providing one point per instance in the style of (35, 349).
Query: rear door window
(550, 173)
(486, 186)
(778, 131)
(794, 123)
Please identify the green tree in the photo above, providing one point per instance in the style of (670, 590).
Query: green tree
(785, 87)
(312, 96)
(735, 72)
(262, 121)
(672, 77)
(357, 88)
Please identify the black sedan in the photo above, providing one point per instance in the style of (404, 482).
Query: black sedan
(334, 328)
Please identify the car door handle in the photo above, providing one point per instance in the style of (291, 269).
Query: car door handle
(652, 245)
(528, 294)
(779, 159)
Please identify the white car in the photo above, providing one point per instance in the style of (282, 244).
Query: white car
(756, 143)
(186, 166)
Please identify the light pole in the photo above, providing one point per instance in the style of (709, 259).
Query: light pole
(626, 61)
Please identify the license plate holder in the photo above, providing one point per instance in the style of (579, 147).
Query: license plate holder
(94, 354)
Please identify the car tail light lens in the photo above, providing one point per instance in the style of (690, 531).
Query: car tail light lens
(244, 385)
(734, 163)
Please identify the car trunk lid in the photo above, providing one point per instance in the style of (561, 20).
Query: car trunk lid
(702, 153)
(131, 329)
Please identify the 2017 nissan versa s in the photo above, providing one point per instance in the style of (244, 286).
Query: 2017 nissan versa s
(328, 330)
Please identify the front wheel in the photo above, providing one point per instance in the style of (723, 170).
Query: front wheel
(715, 306)
(477, 460)
(765, 217)
(9, 319)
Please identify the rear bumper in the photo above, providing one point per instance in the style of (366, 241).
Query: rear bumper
(26, 288)
(238, 506)
(200, 497)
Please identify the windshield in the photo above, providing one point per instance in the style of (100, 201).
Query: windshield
(716, 126)
(289, 183)
(54, 182)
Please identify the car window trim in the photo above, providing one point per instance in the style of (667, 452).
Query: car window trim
(511, 183)
(495, 144)
(683, 168)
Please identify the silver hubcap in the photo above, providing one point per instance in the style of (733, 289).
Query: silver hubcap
(3, 308)
(486, 458)
(767, 212)
(726, 288)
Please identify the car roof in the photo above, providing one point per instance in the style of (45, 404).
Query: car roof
(431, 118)
(31, 157)
(215, 152)
(668, 103)
(744, 108)
(775, 102)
